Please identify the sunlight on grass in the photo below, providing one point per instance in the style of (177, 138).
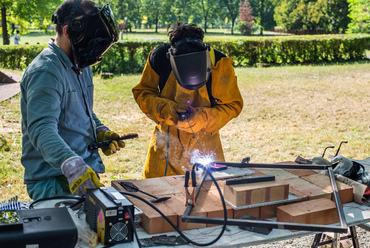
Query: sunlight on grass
(288, 111)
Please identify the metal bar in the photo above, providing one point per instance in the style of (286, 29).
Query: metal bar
(275, 166)
(266, 224)
(342, 218)
(354, 237)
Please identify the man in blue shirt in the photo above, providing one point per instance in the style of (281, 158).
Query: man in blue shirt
(58, 122)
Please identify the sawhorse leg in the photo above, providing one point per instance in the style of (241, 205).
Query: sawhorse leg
(317, 240)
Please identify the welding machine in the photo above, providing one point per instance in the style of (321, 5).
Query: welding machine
(41, 228)
(107, 212)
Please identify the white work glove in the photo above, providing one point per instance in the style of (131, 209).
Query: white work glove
(343, 166)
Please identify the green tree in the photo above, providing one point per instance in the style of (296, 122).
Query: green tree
(359, 12)
(26, 14)
(263, 11)
(208, 10)
(232, 7)
(329, 15)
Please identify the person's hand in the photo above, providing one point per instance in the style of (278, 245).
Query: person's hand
(197, 121)
(343, 166)
(114, 146)
(168, 113)
(80, 176)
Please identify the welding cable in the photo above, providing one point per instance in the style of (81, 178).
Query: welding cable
(133, 227)
(78, 198)
(175, 227)
(168, 149)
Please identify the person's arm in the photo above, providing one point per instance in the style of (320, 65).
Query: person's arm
(147, 96)
(44, 97)
(229, 100)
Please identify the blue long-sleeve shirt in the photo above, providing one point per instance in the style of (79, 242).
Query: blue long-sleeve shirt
(57, 117)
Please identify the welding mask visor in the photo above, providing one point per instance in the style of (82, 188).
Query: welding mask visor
(91, 35)
(191, 70)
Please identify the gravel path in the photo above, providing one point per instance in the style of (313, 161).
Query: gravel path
(306, 241)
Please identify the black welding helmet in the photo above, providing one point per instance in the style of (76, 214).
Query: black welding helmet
(91, 35)
(191, 70)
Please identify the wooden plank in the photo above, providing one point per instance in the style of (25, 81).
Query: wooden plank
(253, 193)
(304, 189)
(278, 173)
(345, 191)
(319, 211)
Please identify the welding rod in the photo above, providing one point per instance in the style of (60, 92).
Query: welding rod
(108, 142)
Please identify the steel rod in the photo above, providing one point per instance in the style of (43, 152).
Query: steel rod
(342, 218)
(266, 224)
(275, 166)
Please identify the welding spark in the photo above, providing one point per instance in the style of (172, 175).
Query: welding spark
(204, 160)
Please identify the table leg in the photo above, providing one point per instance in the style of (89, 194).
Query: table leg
(316, 240)
(354, 237)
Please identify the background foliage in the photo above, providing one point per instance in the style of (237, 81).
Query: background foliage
(328, 16)
(130, 56)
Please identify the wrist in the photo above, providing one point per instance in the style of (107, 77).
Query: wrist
(72, 165)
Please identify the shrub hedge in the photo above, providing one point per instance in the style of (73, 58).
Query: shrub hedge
(130, 56)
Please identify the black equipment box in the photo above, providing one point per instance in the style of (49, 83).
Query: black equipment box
(107, 212)
(37, 228)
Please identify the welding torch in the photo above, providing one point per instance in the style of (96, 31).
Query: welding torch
(185, 116)
(108, 142)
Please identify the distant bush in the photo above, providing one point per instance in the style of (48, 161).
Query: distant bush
(17, 56)
(130, 56)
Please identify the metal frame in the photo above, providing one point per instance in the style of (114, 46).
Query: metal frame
(269, 224)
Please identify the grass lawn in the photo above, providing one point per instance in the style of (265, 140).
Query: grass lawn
(288, 111)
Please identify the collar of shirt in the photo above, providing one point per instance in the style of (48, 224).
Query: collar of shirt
(66, 61)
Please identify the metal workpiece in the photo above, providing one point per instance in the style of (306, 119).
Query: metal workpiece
(342, 218)
(265, 224)
(274, 166)
(343, 228)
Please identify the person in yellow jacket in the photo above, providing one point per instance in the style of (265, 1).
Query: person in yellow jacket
(190, 91)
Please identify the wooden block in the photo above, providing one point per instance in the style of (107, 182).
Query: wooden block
(255, 212)
(253, 193)
(319, 211)
(304, 189)
(345, 191)
(177, 205)
(213, 206)
(269, 211)
(151, 221)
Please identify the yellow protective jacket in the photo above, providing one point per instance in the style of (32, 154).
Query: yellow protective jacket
(222, 102)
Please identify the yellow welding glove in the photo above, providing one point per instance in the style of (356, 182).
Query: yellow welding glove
(113, 147)
(167, 112)
(197, 121)
(80, 176)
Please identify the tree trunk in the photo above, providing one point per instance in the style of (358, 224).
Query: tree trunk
(156, 24)
(232, 25)
(205, 25)
(262, 15)
(5, 28)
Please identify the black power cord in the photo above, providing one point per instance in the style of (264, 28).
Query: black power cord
(175, 227)
(78, 198)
